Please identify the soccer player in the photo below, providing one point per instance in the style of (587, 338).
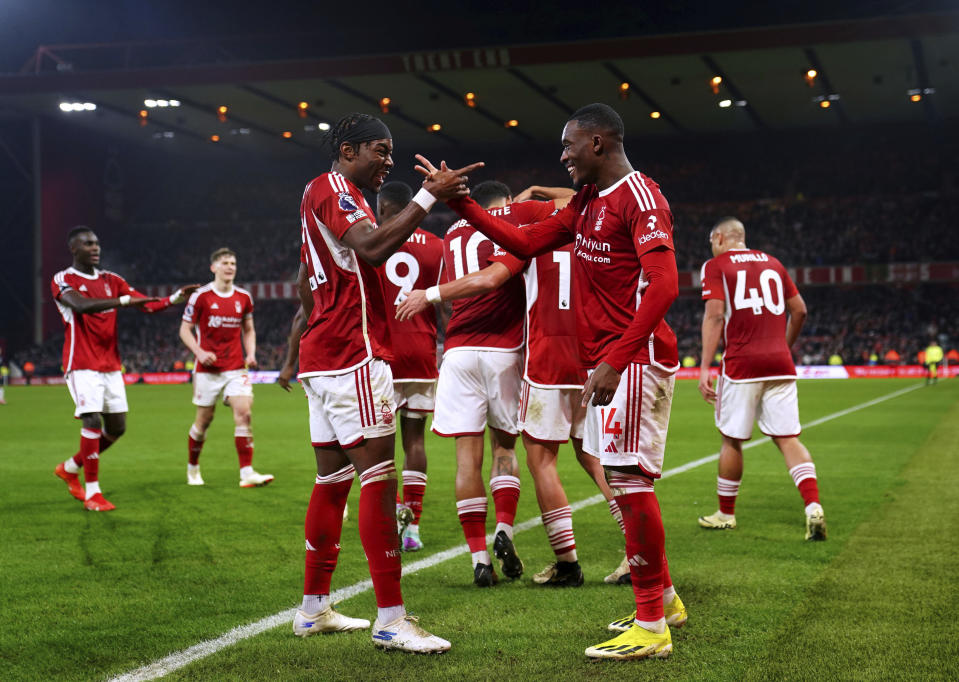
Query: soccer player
(551, 410)
(481, 373)
(344, 356)
(417, 264)
(625, 277)
(87, 298)
(218, 329)
(748, 294)
(933, 358)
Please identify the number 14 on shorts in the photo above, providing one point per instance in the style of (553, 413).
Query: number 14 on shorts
(612, 428)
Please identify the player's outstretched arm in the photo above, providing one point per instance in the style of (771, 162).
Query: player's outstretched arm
(659, 267)
(493, 276)
(797, 318)
(375, 245)
(150, 304)
(297, 327)
(526, 242)
(714, 317)
(560, 196)
(83, 305)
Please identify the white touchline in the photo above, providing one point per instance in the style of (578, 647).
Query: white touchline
(180, 659)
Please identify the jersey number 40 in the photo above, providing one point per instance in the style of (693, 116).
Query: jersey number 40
(768, 279)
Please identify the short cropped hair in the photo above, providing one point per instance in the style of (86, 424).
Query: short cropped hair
(220, 253)
(78, 230)
(396, 192)
(600, 117)
(485, 193)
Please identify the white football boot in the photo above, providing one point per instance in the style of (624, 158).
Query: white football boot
(330, 620)
(405, 634)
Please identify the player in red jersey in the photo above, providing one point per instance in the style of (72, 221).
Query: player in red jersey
(218, 329)
(344, 356)
(626, 279)
(417, 264)
(748, 294)
(87, 298)
(481, 373)
(551, 410)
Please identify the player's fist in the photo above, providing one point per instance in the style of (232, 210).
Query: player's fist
(706, 386)
(414, 303)
(183, 293)
(206, 358)
(251, 361)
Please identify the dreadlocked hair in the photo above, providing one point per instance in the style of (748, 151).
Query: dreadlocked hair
(334, 137)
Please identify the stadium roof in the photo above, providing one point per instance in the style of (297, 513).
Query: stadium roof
(892, 69)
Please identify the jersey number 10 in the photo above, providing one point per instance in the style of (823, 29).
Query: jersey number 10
(767, 279)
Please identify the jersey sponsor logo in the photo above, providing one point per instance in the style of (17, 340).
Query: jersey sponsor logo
(656, 234)
(599, 219)
(217, 321)
(347, 203)
(749, 258)
(83, 287)
(356, 215)
(498, 250)
(215, 306)
(238, 306)
(586, 249)
(651, 225)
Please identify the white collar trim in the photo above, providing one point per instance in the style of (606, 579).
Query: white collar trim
(616, 184)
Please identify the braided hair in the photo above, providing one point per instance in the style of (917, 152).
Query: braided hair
(340, 132)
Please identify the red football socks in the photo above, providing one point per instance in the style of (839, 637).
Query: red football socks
(414, 488)
(505, 491)
(472, 513)
(324, 524)
(89, 454)
(378, 532)
(243, 438)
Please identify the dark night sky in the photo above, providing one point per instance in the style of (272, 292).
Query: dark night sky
(339, 28)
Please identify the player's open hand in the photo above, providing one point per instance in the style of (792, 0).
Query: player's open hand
(601, 386)
(184, 293)
(206, 358)
(414, 303)
(706, 386)
(445, 183)
(284, 378)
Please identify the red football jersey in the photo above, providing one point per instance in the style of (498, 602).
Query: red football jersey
(495, 319)
(755, 287)
(90, 341)
(219, 325)
(612, 230)
(552, 349)
(347, 327)
(416, 265)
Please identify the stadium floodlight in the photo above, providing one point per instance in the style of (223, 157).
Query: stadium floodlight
(66, 106)
(163, 103)
(149, 103)
(174, 102)
(89, 106)
(725, 103)
(323, 126)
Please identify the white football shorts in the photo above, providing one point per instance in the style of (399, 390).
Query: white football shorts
(774, 404)
(631, 430)
(346, 409)
(208, 387)
(94, 391)
(476, 388)
(551, 415)
(414, 399)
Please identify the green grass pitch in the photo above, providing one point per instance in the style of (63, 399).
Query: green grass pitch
(90, 596)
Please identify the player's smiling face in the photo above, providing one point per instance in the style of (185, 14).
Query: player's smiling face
(374, 162)
(86, 249)
(579, 154)
(224, 269)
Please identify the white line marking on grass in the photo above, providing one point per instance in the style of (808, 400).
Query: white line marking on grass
(180, 659)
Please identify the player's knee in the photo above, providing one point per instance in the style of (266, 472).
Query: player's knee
(115, 431)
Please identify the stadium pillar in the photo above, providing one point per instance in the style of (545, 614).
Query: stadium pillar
(38, 297)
